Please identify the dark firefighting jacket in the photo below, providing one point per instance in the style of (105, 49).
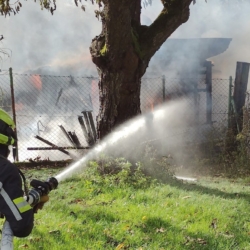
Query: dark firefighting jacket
(13, 205)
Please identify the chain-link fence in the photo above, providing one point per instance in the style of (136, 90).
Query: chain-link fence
(155, 91)
(47, 106)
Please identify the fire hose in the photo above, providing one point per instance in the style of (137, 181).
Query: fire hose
(39, 189)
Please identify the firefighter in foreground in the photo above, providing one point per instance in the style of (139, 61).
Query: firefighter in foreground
(17, 204)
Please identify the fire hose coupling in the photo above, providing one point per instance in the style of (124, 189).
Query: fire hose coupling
(41, 188)
(33, 197)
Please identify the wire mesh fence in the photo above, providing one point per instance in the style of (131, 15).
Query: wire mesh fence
(45, 105)
(220, 101)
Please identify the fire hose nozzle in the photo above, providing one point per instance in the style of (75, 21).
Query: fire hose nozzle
(44, 187)
(41, 188)
(53, 183)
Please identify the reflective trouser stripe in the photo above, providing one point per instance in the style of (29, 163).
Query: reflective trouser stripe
(10, 203)
(22, 204)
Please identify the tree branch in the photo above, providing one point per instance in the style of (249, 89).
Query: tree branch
(174, 13)
(7, 8)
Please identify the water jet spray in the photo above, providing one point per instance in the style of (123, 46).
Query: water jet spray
(123, 132)
(161, 123)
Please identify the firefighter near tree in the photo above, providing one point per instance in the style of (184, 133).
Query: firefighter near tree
(18, 203)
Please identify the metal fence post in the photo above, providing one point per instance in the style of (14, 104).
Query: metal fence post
(209, 92)
(13, 109)
(163, 88)
(240, 87)
(229, 102)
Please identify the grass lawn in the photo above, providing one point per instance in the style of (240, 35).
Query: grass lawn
(93, 211)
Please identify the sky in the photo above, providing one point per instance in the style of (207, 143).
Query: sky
(59, 44)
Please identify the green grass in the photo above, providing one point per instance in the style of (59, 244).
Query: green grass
(102, 211)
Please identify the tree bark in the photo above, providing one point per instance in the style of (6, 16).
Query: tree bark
(122, 53)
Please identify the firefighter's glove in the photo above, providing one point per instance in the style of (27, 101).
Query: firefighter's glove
(41, 203)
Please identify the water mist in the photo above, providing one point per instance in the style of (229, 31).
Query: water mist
(167, 125)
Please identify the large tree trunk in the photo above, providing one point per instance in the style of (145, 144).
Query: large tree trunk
(119, 99)
(122, 53)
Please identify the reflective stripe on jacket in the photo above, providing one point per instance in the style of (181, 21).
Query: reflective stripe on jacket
(4, 116)
(17, 206)
(6, 140)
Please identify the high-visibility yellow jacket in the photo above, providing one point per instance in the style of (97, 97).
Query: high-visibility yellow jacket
(7, 122)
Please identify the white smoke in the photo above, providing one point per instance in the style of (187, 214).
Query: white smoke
(61, 42)
(214, 19)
